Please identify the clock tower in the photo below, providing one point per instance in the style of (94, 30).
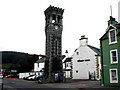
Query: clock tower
(53, 31)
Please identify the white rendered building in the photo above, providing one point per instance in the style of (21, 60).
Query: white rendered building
(86, 61)
(39, 64)
(67, 67)
(38, 68)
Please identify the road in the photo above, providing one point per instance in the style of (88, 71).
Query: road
(15, 84)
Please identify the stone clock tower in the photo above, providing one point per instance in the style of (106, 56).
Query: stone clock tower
(53, 31)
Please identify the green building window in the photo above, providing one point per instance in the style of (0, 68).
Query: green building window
(114, 58)
(112, 36)
(113, 76)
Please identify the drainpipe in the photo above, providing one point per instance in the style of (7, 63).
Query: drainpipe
(102, 71)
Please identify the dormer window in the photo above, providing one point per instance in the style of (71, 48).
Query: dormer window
(112, 36)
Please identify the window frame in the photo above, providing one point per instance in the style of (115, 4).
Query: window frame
(113, 81)
(110, 42)
(111, 57)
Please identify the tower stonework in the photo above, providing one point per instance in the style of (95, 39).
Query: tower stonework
(53, 31)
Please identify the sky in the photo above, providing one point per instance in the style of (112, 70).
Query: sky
(22, 23)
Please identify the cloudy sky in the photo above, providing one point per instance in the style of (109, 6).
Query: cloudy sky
(22, 23)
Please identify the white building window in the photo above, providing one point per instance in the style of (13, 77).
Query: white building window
(112, 36)
(68, 64)
(113, 76)
(114, 56)
(38, 65)
(77, 53)
(76, 71)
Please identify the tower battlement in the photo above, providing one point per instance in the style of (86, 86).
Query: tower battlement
(52, 9)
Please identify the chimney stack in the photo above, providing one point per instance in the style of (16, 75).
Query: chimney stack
(83, 41)
(66, 51)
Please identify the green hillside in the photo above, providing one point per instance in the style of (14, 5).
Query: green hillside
(22, 62)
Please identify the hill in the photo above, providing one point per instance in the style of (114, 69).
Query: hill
(22, 62)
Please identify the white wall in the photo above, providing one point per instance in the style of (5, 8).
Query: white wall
(38, 67)
(63, 65)
(25, 74)
(83, 67)
(22, 75)
(67, 74)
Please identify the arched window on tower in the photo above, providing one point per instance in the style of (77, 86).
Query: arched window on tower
(48, 19)
(56, 47)
(53, 18)
(58, 19)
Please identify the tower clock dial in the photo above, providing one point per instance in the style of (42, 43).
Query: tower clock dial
(56, 27)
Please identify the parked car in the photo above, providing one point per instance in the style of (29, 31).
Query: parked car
(11, 76)
(32, 77)
(26, 78)
(39, 77)
(1, 76)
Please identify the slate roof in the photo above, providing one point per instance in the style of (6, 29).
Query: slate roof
(94, 49)
(41, 60)
(63, 56)
(117, 25)
(68, 59)
(105, 36)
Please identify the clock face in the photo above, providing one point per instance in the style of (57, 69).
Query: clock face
(56, 27)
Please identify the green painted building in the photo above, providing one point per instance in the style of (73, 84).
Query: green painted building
(110, 54)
